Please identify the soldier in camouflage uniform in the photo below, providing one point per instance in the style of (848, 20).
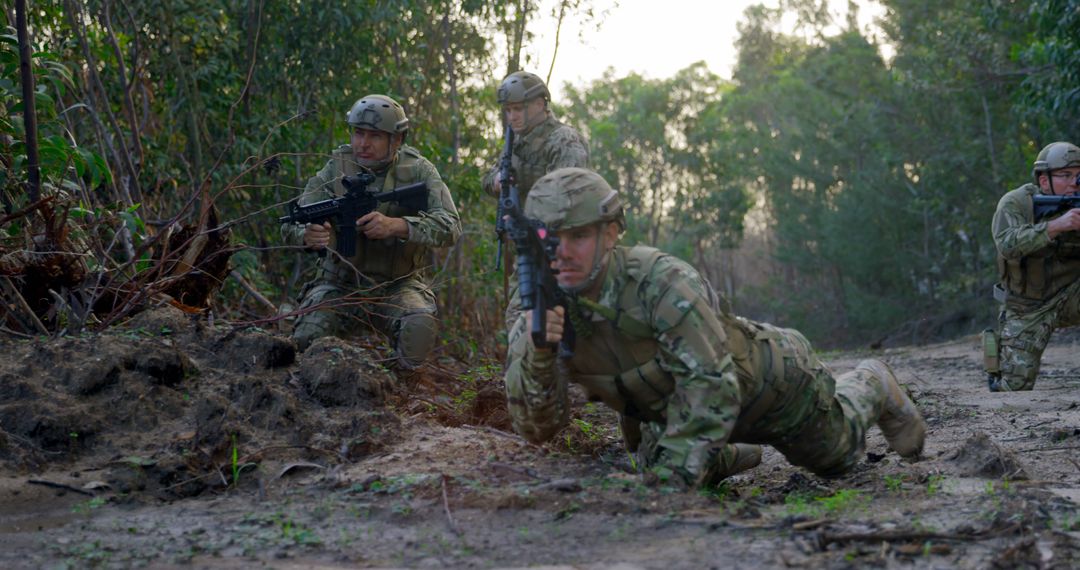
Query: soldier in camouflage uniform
(1039, 266)
(380, 285)
(541, 142)
(692, 383)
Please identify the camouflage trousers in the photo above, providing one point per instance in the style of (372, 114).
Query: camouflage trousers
(1025, 332)
(405, 310)
(817, 421)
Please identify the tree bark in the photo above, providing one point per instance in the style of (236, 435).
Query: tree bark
(125, 85)
(448, 57)
(26, 75)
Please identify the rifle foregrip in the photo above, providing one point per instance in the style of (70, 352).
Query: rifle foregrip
(568, 340)
(539, 326)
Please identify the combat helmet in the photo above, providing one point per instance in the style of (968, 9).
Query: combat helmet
(1055, 156)
(573, 197)
(380, 113)
(520, 86)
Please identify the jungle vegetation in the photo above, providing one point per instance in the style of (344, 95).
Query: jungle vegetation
(840, 182)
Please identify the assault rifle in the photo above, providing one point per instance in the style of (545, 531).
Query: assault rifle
(537, 288)
(506, 181)
(1049, 205)
(356, 203)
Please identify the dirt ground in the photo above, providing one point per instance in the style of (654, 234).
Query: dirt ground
(171, 443)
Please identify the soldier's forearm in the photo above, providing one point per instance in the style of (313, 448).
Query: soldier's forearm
(536, 390)
(434, 229)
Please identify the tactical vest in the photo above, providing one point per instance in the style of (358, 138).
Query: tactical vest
(377, 261)
(618, 362)
(1041, 275)
(530, 159)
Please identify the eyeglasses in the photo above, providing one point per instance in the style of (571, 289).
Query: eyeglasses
(1063, 175)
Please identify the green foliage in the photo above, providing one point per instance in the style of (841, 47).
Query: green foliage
(869, 166)
(236, 467)
(89, 505)
(840, 502)
(894, 483)
(654, 140)
(934, 484)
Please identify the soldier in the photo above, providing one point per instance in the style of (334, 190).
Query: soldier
(392, 243)
(692, 383)
(541, 142)
(1039, 267)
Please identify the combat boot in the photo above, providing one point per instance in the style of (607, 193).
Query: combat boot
(996, 383)
(733, 459)
(900, 421)
(747, 456)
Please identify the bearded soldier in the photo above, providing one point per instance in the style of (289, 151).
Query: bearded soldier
(541, 142)
(692, 383)
(380, 284)
(1039, 267)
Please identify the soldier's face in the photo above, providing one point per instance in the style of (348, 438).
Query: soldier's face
(580, 249)
(370, 146)
(524, 115)
(1064, 181)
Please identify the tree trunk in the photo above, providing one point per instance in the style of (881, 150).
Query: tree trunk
(513, 62)
(558, 30)
(26, 75)
(448, 57)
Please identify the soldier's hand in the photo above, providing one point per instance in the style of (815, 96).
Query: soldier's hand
(317, 236)
(1067, 222)
(376, 225)
(497, 185)
(554, 326)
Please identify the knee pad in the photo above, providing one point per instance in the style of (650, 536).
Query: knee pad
(310, 327)
(416, 336)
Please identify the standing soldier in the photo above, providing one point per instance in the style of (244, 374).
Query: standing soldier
(541, 142)
(380, 284)
(1039, 266)
(692, 383)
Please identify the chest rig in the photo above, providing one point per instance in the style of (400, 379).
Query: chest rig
(617, 359)
(1044, 273)
(530, 158)
(377, 261)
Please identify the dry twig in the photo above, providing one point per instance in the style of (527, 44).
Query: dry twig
(446, 508)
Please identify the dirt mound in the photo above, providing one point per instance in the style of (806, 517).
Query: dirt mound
(169, 406)
(980, 456)
(336, 373)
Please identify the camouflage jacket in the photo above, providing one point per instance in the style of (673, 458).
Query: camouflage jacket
(547, 146)
(378, 261)
(1030, 264)
(665, 368)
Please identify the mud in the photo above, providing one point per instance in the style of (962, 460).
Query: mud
(169, 442)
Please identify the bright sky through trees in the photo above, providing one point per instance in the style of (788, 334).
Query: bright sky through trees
(655, 39)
